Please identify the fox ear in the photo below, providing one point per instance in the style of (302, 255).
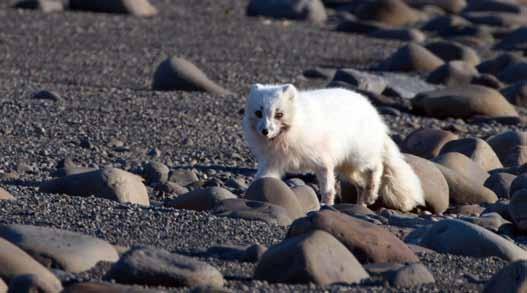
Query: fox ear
(289, 91)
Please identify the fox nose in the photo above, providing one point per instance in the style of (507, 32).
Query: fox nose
(265, 131)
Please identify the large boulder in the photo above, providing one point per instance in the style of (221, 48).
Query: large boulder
(275, 191)
(69, 251)
(463, 165)
(477, 150)
(110, 183)
(427, 142)
(515, 41)
(368, 242)
(463, 102)
(315, 257)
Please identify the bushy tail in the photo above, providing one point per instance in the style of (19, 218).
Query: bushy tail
(400, 187)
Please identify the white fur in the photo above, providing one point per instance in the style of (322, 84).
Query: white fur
(329, 131)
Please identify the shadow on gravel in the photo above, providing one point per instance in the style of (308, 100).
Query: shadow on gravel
(233, 170)
(19, 182)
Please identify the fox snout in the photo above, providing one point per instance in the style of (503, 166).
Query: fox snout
(266, 128)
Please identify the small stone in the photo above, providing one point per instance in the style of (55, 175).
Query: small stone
(309, 10)
(410, 276)
(315, 257)
(172, 188)
(518, 209)
(500, 183)
(157, 267)
(276, 192)
(453, 73)
(179, 74)
(511, 147)
(183, 177)
(5, 195)
(442, 22)
(390, 12)
(201, 199)
(110, 183)
(254, 253)
(307, 198)
(468, 210)
(516, 94)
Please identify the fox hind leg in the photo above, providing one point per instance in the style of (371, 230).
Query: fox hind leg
(372, 178)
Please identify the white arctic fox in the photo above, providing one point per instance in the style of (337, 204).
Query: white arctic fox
(327, 131)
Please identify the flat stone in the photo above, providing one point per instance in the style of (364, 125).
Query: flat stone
(69, 251)
(361, 80)
(157, 267)
(315, 257)
(253, 210)
(110, 183)
(201, 199)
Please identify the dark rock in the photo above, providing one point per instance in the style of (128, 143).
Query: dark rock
(133, 7)
(202, 199)
(310, 10)
(453, 73)
(500, 183)
(427, 142)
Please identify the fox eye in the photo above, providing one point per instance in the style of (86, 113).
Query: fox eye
(258, 114)
(278, 115)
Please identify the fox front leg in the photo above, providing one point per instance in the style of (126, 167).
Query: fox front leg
(266, 169)
(326, 181)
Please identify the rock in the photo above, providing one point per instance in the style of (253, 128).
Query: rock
(68, 167)
(368, 242)
(518, 209)
(434, 184)
(69, 251)
(361, 80)
(512, 278)
(354, 209)
(453, 73)
(489, 81)
(463, 238)
(468, 210)
(155, 172)
(183, 177)
(157, 267)
(493, 6)
(172, 188)
(15, 262)
(202, 199)
(516, 72)
(253, 210)
(133, 7)
(5, 195)
(450, 6)
(45, 6)
(498, 64)
(442, 22)
(515, 41)
(427, 142)
(407, 35)
(411, 57)
(307, 198)
(254, 253)
(28, 284)
(520, 182)
(93, 287)
(177, 73)
(498, 19)
(110, 183)
(410, 276)
(476, 149)
(500, 183)
(315, 257)
(452, 51)
(463, 165)
(390, 12)
(352, 24)
(310, 10)
(465, 190)
(501, 207)
(405, 86)
(463, 102)
(276, 192)
(227, 252)
(511, 147)
(490, 221)
(516, 94)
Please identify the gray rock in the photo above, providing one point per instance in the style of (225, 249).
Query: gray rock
(512, 278)
(500, 183)
(427, 142)
(315, 257)
(110, 183)
(390, 12)
(307, 198)
(183, 177)
(276, 192)
(466, 190)
(516, 93)
(477, 150)
(310, 10)
(442, 22)
(491, 221)
(498, 64)
(410, 276)
(253, 210)
(69, 251)
(361, 80)
(405, 85)
(15, 262)
(518, 209)
(155, 172)
(516, 72)
(452, 51)
(463, 238)
(134, 7)
(515, 41)
(176, 73)
(201, 199)
(411, 57)
(157, 267)
(93, 287)
(453, 73)
(510, 146)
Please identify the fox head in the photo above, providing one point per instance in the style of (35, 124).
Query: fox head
(270, 109)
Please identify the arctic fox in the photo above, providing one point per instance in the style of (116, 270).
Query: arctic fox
(328, 131)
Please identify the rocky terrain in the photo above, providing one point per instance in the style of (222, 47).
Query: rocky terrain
(124, 167)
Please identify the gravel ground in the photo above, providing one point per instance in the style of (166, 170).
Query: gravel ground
(101, 67)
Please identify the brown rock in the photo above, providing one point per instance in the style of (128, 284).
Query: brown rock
(411, 57)
(368, 242)
(391, 12)
(427, 142)
(453, 73)
(463, 165)
(276, 192)
(315, 257)
(201, 199)
(465, 190)
(452, 51)
(518, 209)
(477, 150)
(511, 147)
(5, 195)
(307, 198)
